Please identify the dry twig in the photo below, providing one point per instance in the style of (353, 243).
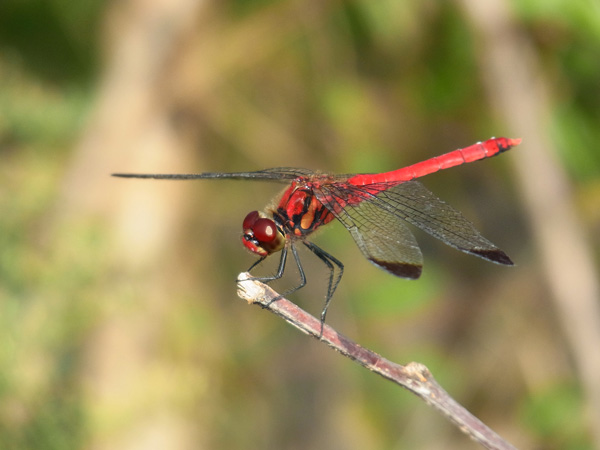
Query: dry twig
(414, 376)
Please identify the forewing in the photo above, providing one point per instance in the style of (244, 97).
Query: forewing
(412, 202)
(277, 174)
(379, 234)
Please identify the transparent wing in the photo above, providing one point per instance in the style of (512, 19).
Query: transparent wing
(414, 203)
(277, 174)
(375, 214)
(380, 235)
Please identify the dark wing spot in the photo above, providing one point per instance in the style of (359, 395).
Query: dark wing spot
(403, 270)
(497, 256)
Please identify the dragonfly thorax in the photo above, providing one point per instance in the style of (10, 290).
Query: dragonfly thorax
(300, 212)
(261, 234)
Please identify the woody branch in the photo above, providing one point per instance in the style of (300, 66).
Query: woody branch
(413, 376)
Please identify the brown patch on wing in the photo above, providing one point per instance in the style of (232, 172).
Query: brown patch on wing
(497, 256)
(403, 270)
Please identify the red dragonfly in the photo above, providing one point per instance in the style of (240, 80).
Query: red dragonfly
(372, 207)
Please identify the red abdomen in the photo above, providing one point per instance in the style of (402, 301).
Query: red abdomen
(299, 211)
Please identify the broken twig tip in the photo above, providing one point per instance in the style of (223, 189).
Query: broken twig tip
(248, 289)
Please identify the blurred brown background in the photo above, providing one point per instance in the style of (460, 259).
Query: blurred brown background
(119, 323)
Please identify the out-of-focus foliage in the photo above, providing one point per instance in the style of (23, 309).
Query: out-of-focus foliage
(56, 40)
(346, 86)
(568, 37)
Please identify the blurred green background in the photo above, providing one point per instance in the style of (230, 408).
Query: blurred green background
(120, 326)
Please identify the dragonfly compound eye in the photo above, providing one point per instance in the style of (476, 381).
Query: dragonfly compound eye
(265, 230)
(250, 219)
(261, 235)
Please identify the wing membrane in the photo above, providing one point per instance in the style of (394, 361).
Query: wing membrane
(379, 234)
(372, 216)
(277, 174)
(414, 203)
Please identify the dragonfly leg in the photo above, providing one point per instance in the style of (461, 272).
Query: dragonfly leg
(329, 261)
(280, 269)
(256, 263)
(280, 273)
(300, 270)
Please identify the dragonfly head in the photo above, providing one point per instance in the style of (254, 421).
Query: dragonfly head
(261, 234)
